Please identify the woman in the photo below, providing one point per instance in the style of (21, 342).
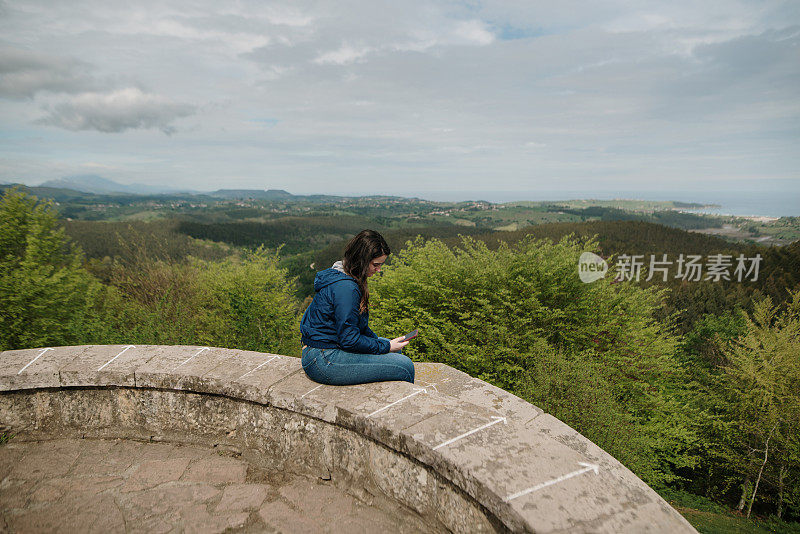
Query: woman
(338, 346)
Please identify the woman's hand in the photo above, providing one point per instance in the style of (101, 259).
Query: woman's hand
(397, 344)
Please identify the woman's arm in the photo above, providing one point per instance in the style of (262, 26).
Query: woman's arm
(346, 299)
(369, 333)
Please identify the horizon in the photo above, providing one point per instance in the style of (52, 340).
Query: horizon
(773, 203)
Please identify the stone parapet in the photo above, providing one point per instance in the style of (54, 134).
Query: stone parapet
(465, 455)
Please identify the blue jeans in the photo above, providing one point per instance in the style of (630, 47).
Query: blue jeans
(336, 367)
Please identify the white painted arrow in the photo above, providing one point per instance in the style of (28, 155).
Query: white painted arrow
(465, 434)
(33, 360)
(562, 478)
(115, 357)
(257, 367)
(310, 390)
(428, 385)
(418, 391)
(190, 357)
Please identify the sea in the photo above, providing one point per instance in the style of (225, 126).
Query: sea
(764, 203)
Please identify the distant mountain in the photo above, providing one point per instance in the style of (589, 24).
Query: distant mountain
(280, 194)
(269, 194)
(53, 193)
(92, 183)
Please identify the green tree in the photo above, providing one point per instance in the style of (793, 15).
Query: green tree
(46, 297)
(704, 346)
(759, 403)
(702, 356)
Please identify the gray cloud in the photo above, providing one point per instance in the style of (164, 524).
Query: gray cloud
(121, 110)
(770, 54)
(518, 92)
(23, 73)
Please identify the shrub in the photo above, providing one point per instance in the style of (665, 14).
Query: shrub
(245, 303)
(46, 297)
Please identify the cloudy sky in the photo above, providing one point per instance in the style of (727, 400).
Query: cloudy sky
(403, 97)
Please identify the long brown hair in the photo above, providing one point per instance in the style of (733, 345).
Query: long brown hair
(358, 254)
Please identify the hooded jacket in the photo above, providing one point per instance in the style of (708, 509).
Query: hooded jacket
(333, 321)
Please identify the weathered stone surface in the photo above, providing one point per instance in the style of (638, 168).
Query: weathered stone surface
(176, 367)
(240, 497)
(52, 460)
(97, 515)
(8, 461)
(219, 374)
(464, 455)
(280, 516)
(196, 520)
(217, 470)
(102, 365)
(154, 472)
(461, 386)
(82, 502)
(35, 368)
(304, 506)
(16, 493)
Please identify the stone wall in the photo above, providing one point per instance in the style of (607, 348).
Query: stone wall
(465, 455)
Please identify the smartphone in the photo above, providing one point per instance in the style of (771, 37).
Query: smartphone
(411, 335)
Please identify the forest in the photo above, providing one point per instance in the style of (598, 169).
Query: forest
(693, 385)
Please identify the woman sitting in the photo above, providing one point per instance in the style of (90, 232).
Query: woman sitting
(338, 346)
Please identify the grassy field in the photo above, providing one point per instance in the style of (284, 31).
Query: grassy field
(728, 523)
(709, 517)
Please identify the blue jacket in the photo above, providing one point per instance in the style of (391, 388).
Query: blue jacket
(332, 321)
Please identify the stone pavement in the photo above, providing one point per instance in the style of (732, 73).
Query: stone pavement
(93, 485)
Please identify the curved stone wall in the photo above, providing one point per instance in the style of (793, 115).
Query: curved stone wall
(465, 455)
